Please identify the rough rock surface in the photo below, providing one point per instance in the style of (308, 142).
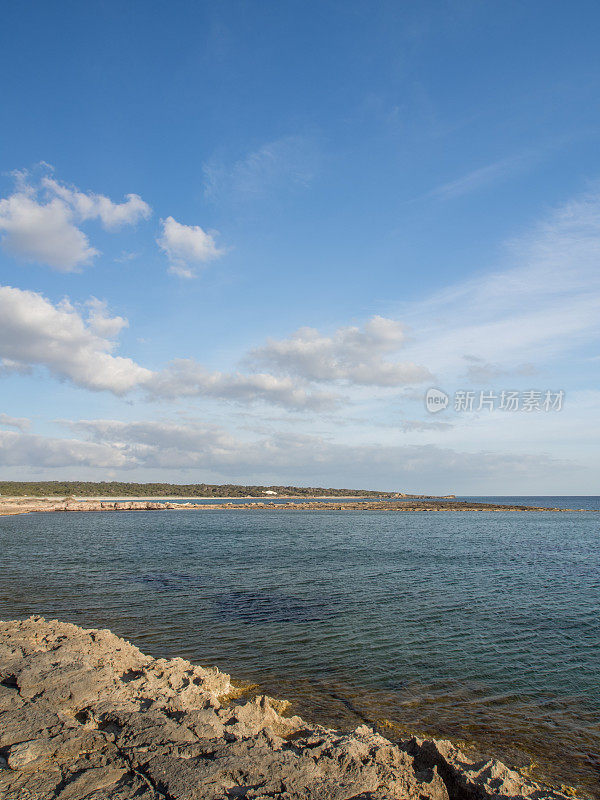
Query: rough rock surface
(84, 714)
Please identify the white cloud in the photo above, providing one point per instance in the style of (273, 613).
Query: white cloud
(43, 232)
(101, 323)
(34, 332)
(188, 378)
(350, 354)
(40, 223)
(186, 247)
(97, 206)
(543, 305)
(505, 324)
(21, 423)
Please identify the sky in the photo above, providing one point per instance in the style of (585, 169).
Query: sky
(252, 242)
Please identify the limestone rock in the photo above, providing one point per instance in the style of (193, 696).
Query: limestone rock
(476, 779)
(85, 714)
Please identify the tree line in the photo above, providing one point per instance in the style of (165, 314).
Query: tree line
(119, 489)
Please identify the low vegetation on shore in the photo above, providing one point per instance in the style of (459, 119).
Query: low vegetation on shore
(119, 489)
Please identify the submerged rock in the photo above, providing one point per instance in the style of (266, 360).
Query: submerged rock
(85, 714)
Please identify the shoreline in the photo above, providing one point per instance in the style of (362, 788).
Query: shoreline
(160, 497)
(85, 711)
(271, 497)
(13, 507)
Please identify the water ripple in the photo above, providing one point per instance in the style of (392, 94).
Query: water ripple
(481, 626)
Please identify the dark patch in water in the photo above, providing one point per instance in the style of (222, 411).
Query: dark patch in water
(266, 606)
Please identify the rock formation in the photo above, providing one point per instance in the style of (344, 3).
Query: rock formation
(11, 506)
(85, 714)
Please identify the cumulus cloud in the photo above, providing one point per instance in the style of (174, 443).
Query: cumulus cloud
(43, 232)
(100, 321)
(350, 354)
(40, 223)
(21, 423)
(186, 247)
(34, 332)
(506, 322)
(97, 206)
(188, 378)
(72, 346)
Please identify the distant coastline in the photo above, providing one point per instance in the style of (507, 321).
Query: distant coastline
(119, 489)
(160, 497)
(21, 505)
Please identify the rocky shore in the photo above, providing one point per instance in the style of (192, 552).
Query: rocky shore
(85, 714)
(11, 506)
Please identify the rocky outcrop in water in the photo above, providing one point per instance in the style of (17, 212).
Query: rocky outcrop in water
(85, 714)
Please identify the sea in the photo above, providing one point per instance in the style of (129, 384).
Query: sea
(482, 627)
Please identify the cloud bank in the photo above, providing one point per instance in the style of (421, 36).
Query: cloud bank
(214, 453)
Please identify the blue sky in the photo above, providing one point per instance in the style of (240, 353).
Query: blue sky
(241, 240)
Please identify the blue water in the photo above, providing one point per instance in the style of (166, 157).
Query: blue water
(481, 626)
(548, 501)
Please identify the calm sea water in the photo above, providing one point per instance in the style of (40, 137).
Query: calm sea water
(478, 626)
